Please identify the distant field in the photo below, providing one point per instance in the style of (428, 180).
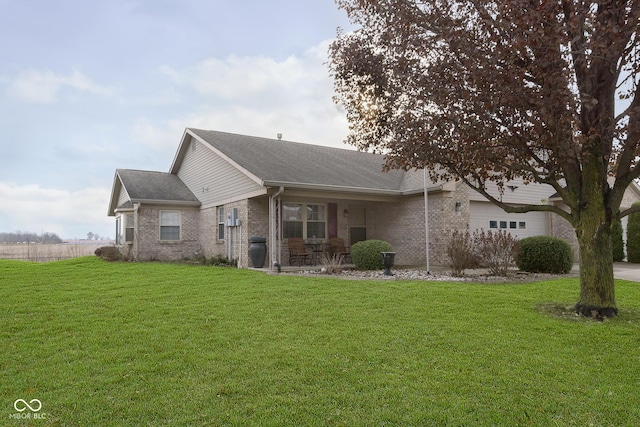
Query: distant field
(48, 252)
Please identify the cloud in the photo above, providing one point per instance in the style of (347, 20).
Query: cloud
(146, 133)
(260, 96)
(70, 214)
(42, 87)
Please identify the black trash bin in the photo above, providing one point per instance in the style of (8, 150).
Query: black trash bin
(257, 251)
(388, 258)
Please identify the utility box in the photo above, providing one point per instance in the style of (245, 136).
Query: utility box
(232, 218)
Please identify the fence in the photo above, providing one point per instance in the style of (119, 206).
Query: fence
(44, 252)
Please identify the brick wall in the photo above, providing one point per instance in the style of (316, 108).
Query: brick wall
(402, 225)
(254, 220)
(208, 234)
(561, 228)
(149, 245)
(257, 225)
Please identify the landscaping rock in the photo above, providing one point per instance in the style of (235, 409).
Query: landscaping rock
(479, 275)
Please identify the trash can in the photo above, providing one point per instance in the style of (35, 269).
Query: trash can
(257, 251)
(388, 259)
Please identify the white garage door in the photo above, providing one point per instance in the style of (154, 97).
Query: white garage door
(487, 216)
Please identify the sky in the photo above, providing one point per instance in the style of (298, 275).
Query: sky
(91, 86)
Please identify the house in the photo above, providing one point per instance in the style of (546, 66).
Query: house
(223, 188)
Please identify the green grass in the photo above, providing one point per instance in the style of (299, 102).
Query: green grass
(129, 344)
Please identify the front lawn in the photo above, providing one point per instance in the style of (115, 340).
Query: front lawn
(129, 344)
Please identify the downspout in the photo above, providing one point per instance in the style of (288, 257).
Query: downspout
(274, 251)
(426, 219)
(239, 244)
(136, 230)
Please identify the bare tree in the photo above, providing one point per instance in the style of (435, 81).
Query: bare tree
(490, 91)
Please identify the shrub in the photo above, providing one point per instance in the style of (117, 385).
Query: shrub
(616, 241)
(461, 252)
(633, 237)
(109, 253)
(545, 254)
(366, 254)
(496, 250)
(331, 264)
(221, 261)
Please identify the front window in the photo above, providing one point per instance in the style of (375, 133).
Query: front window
(292, 224)
(221, 220)
(124, 228)
(128, 228)
(304, 220)
(169, 225)
(316, 223)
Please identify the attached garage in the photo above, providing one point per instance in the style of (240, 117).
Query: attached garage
(487, 216)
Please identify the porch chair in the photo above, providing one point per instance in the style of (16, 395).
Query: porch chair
(337, 247)
(298, 252)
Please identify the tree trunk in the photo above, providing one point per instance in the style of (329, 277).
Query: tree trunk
(597, 289)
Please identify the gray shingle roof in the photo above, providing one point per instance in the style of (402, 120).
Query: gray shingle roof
(275, 161)
(150, 185)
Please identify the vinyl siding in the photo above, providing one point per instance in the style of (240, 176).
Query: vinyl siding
(524, 194)
(211, 178)
(123, 197)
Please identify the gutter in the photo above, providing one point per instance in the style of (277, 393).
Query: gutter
(166, 202)
(347, 189)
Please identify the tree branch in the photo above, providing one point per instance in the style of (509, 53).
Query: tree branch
(523, 208)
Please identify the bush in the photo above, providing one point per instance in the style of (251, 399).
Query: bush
(366, 254)
(633, 237)
(461, 252)
(616, 241)
(221, 261)
(496, 250)
(545, 254)
(331, 264)
(109, 253)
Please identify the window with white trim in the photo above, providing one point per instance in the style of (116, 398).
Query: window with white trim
(306, 220)
(316, 221)
(221, 222)
(124, 228)
(170, 225)
(128, 227)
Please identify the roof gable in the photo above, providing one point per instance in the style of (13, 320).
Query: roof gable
(150, 187)
(274, 162)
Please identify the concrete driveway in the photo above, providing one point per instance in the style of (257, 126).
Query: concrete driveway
(621, 270)
(626, 271)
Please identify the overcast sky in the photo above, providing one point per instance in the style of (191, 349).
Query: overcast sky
(89, 86)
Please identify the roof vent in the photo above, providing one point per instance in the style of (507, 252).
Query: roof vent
(280, 137)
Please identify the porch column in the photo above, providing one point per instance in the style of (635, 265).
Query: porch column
(275, 244)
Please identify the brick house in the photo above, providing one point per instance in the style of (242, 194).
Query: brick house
(223, 188)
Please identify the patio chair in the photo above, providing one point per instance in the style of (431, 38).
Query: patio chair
(337, 248)
(298, 252)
